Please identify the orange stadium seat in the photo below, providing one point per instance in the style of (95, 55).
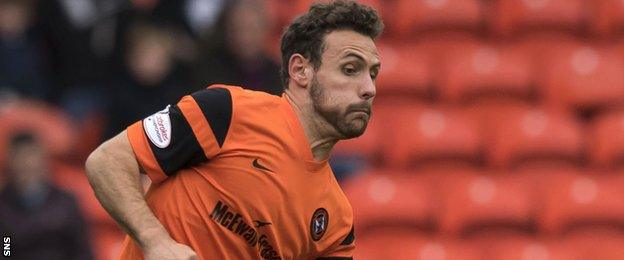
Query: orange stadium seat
(532, 248)
(534, 137)
(583, 77)
(487, 71)
(79, 186)
(511, 16)
(433, 136)
(474, 204)
(595, 244)
(409, 245)
(385, 198)
(406, 70)
(606, 140)
(106, 240)
(607, 16)
(412, 16)
(580, 200)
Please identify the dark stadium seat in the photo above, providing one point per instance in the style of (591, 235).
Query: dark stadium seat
(409, 245)
(426, 136)
(511, 16)
(583, 76)
(487, 70)
(386, 198)
(522, 137)
(606, 140)
(412, 16)
(406, 70)
(475, 204)
(580, 200)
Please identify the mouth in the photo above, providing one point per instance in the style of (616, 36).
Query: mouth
(361, 113)
(362, 110)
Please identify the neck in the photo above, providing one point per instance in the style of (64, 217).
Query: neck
(317, 131)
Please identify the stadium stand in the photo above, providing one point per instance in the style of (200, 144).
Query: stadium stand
(606, 140)
(509, 17)
(497, 130)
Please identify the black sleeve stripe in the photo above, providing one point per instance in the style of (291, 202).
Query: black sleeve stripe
(216, 105)
(335, 258)
(349, 239)
(184, 149)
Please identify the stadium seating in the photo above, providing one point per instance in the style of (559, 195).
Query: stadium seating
(607, 17)
(529, 136)
(522, 248)
(107, 241)
(584, 77)
(413, 16)
(404, 244)
(407, 197)
(606, 140)
(580, 200)
(407, 70)
(516, 16)
(487, 70)
(79, 186)
(474, 203)
(433, 136)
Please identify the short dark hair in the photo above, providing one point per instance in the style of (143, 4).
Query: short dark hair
(306, 34)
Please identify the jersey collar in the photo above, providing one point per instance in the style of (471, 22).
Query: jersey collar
(296, 128)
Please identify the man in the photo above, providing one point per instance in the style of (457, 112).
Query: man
(240, 174)
(43, 221)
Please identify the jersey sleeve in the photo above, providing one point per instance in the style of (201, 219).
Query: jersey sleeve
(342, 251)
(182, 135)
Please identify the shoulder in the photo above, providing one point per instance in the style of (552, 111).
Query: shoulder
(236, 101)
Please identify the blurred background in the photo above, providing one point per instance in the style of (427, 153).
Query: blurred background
(498, 129)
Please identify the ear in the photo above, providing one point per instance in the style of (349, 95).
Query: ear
(299, 70)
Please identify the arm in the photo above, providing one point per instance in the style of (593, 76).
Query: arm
(113, 173)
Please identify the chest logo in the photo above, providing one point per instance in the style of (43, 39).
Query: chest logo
(319, 224)
(257, 165)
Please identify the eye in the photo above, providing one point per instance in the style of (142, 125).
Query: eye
(374, 75)
(349, 70)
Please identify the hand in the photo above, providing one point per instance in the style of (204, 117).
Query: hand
(169, 250)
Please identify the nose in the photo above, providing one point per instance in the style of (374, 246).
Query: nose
(368, 90)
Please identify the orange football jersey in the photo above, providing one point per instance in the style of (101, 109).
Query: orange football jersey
(234, 178)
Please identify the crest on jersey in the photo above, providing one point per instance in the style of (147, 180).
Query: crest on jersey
(319, 224)
(158, 128)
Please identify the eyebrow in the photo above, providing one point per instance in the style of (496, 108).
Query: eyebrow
(359, 57)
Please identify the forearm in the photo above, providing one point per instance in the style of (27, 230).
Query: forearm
(114, 176)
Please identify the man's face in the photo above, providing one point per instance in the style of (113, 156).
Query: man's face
(343, 87)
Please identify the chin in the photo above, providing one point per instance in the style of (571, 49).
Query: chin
(354, 130)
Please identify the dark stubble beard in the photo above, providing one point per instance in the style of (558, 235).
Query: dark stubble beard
(334, 116)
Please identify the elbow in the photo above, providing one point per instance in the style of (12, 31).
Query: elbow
(94, 159)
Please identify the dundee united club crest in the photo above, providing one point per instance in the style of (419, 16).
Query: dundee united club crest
(319, 223)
